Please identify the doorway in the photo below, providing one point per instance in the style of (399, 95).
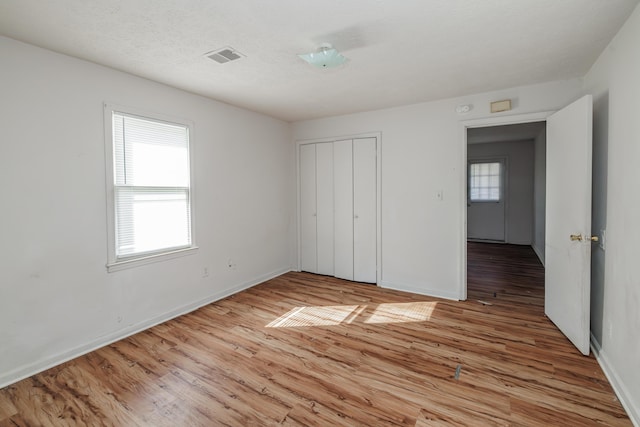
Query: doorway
(512, 140)
(567, 238)
(505, 182)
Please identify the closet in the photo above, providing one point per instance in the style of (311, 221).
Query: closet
(338, 205)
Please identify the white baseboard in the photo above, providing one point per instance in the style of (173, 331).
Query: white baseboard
(614, 379)
(34, 368)
(422, 291)
(538, 253)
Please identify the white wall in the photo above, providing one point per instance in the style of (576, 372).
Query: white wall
(518, 218)
(614, 80)
(423, 151)
(56, 298)
(539, 193)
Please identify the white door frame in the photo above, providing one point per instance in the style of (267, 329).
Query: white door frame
(481, 123)
(378, 136)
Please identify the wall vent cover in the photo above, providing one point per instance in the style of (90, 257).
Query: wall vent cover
(224, 55)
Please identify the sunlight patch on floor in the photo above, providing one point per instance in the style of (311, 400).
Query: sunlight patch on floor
(338, 314)
(402, 312)
(315, 316)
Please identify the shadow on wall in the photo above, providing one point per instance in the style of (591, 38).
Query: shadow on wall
(599, 209)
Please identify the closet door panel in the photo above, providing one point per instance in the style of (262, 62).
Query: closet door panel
(343, 207)
(308, 241)
(364, 210)
(324, 207)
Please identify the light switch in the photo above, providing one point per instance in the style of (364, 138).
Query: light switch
(440, 195)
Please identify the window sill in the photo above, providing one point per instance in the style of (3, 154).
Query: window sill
(136, 262)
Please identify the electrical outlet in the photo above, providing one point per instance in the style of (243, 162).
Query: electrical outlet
(440, 195)
(231, 264)
(205, 272)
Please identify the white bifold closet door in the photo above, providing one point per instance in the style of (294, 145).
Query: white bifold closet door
(343, 218)
(364, 210)
(338, 209)
(354, 194)
(324, 208)
(316, 208)
(308, 215)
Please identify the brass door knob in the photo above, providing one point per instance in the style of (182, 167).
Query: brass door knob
(579, 238)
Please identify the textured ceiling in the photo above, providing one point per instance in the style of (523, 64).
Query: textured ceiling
(400, 51)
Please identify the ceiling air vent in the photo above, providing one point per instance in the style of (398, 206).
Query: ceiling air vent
(224, 55)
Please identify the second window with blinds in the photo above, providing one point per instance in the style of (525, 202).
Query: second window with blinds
(148, 187)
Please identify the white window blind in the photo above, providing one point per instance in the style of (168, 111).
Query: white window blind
(485, 182)
(151, 189)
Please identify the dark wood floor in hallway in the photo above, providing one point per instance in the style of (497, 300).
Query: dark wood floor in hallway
(304, 350)
(505, 275)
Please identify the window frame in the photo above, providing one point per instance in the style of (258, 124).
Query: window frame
(115, 263)
(503, 181)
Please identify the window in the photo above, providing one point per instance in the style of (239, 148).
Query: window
(148, 187)
(485, 182)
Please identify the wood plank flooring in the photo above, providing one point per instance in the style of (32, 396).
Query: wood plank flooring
(306, 350)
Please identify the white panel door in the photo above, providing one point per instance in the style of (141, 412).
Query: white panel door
(364, 210)
(308, 241)
(568, 212)
(324, 207)
(343, 206)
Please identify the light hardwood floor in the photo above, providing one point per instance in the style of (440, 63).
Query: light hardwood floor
(313, 350)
